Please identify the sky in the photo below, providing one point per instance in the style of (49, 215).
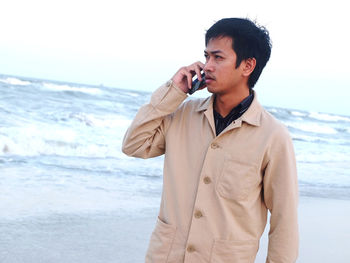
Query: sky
(141, 44)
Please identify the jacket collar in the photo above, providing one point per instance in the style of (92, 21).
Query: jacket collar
(252, 116)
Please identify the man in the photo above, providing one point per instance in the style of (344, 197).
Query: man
(227, 160)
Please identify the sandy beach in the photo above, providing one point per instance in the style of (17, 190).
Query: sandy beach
(68, 194)
(91, 238)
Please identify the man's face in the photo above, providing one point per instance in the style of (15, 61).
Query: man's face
(221, 73)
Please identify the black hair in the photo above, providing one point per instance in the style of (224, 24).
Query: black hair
(249, 40)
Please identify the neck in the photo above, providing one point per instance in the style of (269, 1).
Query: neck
(224, 103)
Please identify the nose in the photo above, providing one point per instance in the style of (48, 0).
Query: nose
(208, 66)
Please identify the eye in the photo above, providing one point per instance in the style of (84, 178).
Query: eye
(218, 57)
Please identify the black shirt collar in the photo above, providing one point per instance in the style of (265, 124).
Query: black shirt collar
(222, 122)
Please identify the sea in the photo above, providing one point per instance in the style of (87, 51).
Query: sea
(60, 151)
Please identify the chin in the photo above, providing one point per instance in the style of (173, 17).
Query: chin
(212, 89)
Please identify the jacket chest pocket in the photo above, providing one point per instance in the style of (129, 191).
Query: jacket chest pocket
(237, 179)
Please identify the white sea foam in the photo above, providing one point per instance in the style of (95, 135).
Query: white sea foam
(36, 140)
(312, 127)
(132, 94)
(302, 137)
(298, 113)
(272, 110)
(61, 87)
(322, 157)
(15, 81)
(112, 121)
(328, 117)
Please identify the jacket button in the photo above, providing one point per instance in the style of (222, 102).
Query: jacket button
(190, 249)
(198, 214)
(214, 145)
(207, 180)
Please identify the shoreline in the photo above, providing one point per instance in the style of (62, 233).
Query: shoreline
(113, 237)
(324, 231)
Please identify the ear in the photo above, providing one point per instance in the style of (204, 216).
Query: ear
(248, 66)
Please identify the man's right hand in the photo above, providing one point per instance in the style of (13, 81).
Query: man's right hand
(183, 77)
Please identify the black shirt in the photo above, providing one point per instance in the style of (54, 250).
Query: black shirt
(221, 123)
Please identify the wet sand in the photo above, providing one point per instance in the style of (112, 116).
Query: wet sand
(90, 238)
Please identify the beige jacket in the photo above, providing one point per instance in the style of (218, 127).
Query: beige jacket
(217, 189)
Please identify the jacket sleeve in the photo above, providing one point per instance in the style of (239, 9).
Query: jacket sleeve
(145, 138)
(281, 198)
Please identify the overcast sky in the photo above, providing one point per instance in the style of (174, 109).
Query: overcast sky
(141, 44)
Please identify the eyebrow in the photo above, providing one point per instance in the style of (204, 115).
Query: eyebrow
(213, 52)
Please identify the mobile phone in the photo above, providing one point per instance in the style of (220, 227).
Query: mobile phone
(196, 84)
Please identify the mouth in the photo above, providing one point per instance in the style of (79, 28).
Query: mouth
(209, 78)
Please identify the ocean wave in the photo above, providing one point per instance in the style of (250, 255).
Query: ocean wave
(132, 94)
(53, 140)
(306, 138)
(40, 147)
(328, 117)
(15, 81)
(298, 113)
(63, 87)
(322, 157)
(102, 122)
(311, 127)
(272, 110)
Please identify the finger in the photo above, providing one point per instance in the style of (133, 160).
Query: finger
(188, 76)
(189, 72)
(198, 70)
(200, 64)
(180, 75)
